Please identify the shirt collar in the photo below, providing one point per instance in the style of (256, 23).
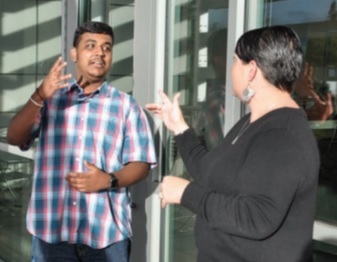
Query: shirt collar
(103, 90)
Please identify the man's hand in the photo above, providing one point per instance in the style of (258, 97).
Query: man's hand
(54, 80)
(322, 109)
(92, 181)
(305, 84)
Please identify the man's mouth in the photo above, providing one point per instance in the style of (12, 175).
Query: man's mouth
(97, 63)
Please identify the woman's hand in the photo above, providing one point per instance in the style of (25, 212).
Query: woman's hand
(169, 112)
(172, 189)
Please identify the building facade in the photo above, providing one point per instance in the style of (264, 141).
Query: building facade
(180, 46)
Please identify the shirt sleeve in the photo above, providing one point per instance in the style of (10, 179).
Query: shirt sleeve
(138, 139)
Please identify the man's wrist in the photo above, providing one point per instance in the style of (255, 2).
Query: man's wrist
(113, 182)
(37, 97)
(39, 94)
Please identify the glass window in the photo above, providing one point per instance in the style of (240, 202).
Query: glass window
(196, 67)
(121, 18)
(30, 43)
(316, 90)
(120, 15)
(30, 34)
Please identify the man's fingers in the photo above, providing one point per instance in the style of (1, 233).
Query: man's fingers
(60, 64)
(90, 166)
(72, 174)
(63, 78)
(57, 64)
(310, 70)
(306, 68)
(328, 98)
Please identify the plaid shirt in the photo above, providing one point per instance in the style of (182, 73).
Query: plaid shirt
(107, 129)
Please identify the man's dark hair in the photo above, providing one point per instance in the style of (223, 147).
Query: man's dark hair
(217, 43)
(94, 28)
(276, 50)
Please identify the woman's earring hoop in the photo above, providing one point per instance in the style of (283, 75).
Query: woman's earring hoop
(247, 93)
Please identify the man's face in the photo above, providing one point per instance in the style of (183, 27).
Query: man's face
(93, 57)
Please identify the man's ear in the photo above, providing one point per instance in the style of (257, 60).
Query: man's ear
(73, 54)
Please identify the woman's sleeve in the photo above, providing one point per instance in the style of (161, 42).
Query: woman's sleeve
(192, 152)
(269, 179)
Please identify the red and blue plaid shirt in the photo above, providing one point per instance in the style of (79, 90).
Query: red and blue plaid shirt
(107, 128)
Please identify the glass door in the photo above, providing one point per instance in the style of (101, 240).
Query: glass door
(196, 67)
(31, 40)
(119, 14)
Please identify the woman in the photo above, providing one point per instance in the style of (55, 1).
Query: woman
(254, 194)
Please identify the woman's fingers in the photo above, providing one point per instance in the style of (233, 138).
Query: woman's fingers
(152, 106)
(164, 97)
(176, 99)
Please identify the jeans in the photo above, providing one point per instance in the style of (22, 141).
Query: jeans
(65, 252)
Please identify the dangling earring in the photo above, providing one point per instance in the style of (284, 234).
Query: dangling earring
(247, 93)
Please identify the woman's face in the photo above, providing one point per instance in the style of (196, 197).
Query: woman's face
(237, 74)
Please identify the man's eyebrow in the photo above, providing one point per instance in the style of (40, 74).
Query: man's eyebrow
(108, 43)
(94, 41)
(90, 40)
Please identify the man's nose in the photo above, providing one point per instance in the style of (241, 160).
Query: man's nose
(100, 51)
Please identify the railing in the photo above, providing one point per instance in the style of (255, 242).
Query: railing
(15, 175)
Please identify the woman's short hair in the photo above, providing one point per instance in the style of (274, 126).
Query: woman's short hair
(277, 52)
(94, 28)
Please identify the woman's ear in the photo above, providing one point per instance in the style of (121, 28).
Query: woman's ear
(252, 70)
(73, 54)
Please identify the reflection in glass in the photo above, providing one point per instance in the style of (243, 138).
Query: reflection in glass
(197, 46)
(30, 43)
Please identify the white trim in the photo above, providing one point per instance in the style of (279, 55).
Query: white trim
(149, 49)
(16, 150)
(149, 54)
(69, 25)
(325, 232)
(255, 16)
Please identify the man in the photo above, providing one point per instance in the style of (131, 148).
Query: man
(94, 142)
(211, 121)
